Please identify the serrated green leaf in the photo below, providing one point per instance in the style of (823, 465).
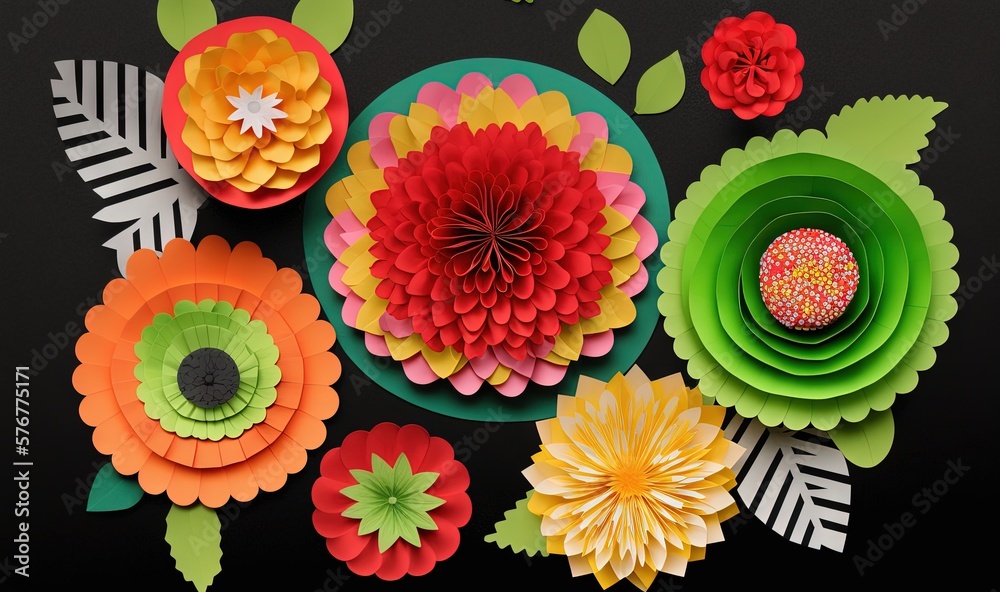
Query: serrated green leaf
(867, 442)
(661, 87)
(521, 530)
(329, 21)
(111, 491)
(895, 128)
(604, 45)
(194, 534)
(180, 20)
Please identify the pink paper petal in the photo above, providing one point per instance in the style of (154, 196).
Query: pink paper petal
(611, 184)
(525, 366)
(513, 386)
(376, 345)
(382, 150)
(593, 124)
(648, 241)
(636, 283)
(466, 381)
(336, 277)
(443, 99)
(399, 328)
(597, 344)
(333, 237)
(581, 144)
(630, 201)
(485, 365)
(352, 306)
(418, 370)
(519, 87)
(472, 83)
(547, 373)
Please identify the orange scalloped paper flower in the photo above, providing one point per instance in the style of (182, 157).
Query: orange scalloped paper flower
(255, 109)
(290, 147)
(633, 478)
(207, 372)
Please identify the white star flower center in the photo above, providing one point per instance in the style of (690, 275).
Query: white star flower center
(256, 111)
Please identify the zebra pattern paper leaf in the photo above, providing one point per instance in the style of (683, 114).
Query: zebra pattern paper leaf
(796, 483)
(108, 116)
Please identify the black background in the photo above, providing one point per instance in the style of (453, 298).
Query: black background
(53, 268)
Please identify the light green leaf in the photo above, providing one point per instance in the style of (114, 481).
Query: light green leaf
(194, 534)
(521, 530)
(180, 20)
(329, 21)
(894, 128)
(661, 87)
(867, 442)
(604, 46)
(111, 491)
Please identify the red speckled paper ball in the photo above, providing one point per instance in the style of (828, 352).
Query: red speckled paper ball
(807, 278)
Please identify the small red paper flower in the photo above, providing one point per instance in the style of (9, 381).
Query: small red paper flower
(390, 501)
(752, 65)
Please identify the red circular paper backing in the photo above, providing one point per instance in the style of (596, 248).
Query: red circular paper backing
(174, 116)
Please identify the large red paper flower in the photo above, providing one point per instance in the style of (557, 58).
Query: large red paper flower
(390, 501)
(491, 235)
(752, 65)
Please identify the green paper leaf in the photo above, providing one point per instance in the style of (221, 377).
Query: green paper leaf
(661, 87)
(111, 491)
(895, 128)
(604, 46)
(329, 21)
(180, 20)
(194, 534)
(521, 530)
(867, 442)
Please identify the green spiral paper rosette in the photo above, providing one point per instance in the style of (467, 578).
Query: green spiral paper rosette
(852, 182)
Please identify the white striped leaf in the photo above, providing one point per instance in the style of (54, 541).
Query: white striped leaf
(796, 483)
(108, 115)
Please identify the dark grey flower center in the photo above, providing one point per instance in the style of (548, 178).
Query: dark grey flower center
(208, 377)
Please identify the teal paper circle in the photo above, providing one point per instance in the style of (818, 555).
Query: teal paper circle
(536, 402)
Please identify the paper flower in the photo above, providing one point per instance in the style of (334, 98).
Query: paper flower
(220, 110)
(854, 185)
(752, 65)
(206, 372)
(390, 501)
(490, 235)
(633, 478)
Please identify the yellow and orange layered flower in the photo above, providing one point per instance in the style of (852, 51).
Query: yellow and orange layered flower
(207, 372)
(274, 159)
(633, 478)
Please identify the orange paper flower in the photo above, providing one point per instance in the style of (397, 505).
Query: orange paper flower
(244, 346)
(223, 147)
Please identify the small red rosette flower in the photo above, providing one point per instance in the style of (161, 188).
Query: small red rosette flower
(752, 65)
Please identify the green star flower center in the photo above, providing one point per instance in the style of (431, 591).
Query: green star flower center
(392, 501)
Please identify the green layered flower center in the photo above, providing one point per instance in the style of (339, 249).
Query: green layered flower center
(207, 371)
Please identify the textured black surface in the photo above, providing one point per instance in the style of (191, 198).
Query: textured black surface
(208, 377)
(934, 535)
